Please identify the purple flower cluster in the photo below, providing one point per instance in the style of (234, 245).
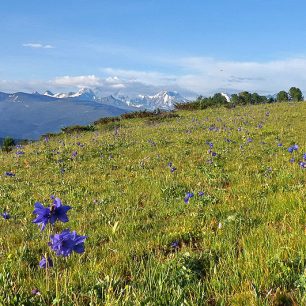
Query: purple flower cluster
(64, 243)
(8, 173)
(293, 148)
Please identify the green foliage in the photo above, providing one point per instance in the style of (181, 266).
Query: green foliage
(295, 94)
(240, 242)
(106, 120)
(282, 96)
(8, 144)
(202, 103)
(141, 114)
(217, 100)
(78, 128)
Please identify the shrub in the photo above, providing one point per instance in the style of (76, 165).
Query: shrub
(8, 144)
(78, 128)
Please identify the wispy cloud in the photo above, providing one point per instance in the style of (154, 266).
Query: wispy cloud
(76, 81)
(37, 46)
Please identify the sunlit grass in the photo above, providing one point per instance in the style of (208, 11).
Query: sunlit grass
(241, 243)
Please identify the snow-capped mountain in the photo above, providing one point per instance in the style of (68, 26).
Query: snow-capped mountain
(163, 99)
(24, 115)
(84, 94)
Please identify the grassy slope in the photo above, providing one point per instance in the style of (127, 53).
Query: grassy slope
(242, 243)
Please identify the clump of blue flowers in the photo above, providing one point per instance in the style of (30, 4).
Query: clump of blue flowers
(64, 243)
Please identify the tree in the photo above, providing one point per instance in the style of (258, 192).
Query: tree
(8, 144)
(295, 94)
(282, 96)
(245, 98)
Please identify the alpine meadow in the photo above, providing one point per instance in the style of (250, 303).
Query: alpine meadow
(200, 207)
(152, 153)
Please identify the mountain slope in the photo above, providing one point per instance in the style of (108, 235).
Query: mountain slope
(23, 116)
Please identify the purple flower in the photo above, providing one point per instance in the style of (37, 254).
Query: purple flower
(279, 144)
(35, 292)
(173, 169)
(74, 154)
(46, 262)
(292, 160)
(64, 243)
(46, 215)
(8, 173)
(293, 148)
(6, 216)
(304, 156)
(302, 165)
(214, 154)
(175, 244)
(201, 193)
(249, 139)
(189, 195)
(170, 164)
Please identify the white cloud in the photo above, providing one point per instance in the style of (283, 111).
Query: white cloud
(37, 46)
(76, 81)
(194, 76)
(206, 75)
(146, 77)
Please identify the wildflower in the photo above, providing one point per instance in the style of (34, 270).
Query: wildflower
(35, 291)
(46, 262)
(74, 154)
(175, 244)
(214, 154)
(8, 173)
(293, 148)
(201, 193)
(189, 195)
(292, 160)
(304, 156)
(47, 215)
(6, 216)
(173, 169)
(170, 164)
(249, 139)
(64, 243)
(302, 164)
(279, 144)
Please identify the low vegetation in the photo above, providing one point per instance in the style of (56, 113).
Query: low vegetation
(200, 208)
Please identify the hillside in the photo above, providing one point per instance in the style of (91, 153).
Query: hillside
(204, 209)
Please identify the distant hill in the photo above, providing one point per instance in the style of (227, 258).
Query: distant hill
(28, 116)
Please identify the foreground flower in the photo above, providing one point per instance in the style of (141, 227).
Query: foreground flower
(46, 262)
(64, 243)
(51, 214)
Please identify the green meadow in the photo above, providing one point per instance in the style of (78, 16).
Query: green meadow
(239, 240)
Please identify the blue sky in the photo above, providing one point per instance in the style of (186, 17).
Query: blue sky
(145, 45)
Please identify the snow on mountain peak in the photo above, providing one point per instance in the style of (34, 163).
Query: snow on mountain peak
(48, 93)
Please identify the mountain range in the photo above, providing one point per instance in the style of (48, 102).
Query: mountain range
(163, 99)
(28, 116)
